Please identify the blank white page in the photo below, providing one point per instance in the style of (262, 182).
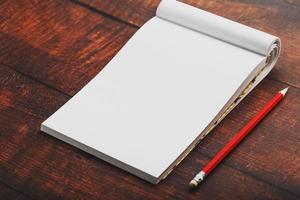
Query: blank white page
(155, 96)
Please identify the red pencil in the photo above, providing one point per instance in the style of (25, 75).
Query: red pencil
(237, 139)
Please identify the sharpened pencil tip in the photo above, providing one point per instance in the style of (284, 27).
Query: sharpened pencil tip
(284, 91)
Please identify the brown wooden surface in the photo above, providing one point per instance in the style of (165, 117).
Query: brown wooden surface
(50, 49)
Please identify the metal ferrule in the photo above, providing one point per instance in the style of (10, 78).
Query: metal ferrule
(199, 177)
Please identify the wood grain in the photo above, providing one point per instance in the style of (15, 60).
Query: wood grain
(50, 49)
(57, 42)
(279, 17)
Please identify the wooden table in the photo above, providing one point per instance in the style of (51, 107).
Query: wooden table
(50, 49)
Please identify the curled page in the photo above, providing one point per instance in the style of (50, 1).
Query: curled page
(220, 28)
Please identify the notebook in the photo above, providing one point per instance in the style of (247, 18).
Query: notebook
(177, 77)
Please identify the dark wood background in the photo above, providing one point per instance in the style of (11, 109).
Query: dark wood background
(50, 49)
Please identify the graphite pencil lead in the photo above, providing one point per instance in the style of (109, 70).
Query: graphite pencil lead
(284, 91)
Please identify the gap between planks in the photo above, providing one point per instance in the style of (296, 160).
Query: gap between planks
(35, 79)
(23, 195)
(104, 14)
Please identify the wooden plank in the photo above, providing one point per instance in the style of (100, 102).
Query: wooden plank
(280, 18)
(58, 42)
(44, 167)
